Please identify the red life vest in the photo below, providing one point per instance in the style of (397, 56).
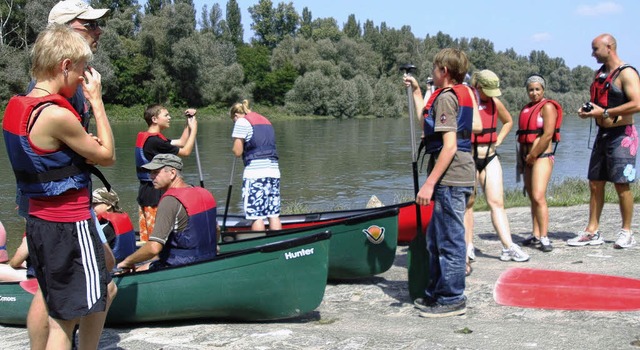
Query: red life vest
(198, 241)
(125, 242)
(141, 160)
(603, 92)
(432, 140)
(41, 173)
(528, 129)
(489, 117)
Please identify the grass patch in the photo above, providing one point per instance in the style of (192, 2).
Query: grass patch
(571, 191)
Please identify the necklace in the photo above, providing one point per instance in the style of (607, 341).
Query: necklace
(45, 90)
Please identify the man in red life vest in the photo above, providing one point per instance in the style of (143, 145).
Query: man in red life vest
(615, 97)
(185, 229)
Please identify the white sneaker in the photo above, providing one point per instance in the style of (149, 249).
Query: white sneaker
(517, 254)
(514, 253)
(625, 239)
(471, 252)
(506, 255)
(586, 238)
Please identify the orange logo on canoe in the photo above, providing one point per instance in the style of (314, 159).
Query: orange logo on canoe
(374, 233)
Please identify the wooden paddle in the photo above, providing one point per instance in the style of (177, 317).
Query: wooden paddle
(417, 257)
(565, 290)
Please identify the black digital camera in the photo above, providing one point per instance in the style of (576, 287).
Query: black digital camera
(587, 107)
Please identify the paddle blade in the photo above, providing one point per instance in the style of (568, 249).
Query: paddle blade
(418, 267)
(548, 289)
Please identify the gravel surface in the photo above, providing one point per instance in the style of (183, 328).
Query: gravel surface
(376, 313)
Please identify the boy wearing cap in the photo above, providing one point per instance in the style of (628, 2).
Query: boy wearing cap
(488, 168)
(115, 223)
(185, 230)
(151, 143)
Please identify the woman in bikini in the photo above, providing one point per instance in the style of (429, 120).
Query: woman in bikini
(538, 131)
(488, 167)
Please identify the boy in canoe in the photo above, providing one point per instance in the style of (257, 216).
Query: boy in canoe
(150, 143)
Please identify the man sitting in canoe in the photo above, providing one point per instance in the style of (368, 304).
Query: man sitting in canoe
(185, 230)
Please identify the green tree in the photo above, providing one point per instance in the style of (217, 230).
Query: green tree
(371, 34)
(365, 98)
(114, 5)
(274, 85)
(254, 61)
(309, 95)
(13, 71)
(352, 28)
(263, 16)
(234, 31)
(389, 100)
(325, 28)
(271, 25)
(306, 29)
(560, 80)
(153, 7)
(343, 98)
(481, 52)
(221, 77)
(581, 78)
(356, 58)
(287, 21)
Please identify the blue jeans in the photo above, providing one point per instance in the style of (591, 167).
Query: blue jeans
(446, 245)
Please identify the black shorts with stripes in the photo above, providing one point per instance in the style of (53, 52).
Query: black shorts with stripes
(69, 264)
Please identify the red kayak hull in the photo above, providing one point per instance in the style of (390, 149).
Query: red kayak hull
(563, 290)
(407, 228)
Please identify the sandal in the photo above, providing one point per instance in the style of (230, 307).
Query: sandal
(468, 269)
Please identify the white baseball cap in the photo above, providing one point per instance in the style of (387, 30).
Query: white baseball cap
(67, 10)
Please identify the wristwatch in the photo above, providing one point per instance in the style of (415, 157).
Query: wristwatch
(605, 114)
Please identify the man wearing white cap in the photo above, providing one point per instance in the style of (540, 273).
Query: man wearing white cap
(81, 17)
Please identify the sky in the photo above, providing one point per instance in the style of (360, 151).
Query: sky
(562, 28)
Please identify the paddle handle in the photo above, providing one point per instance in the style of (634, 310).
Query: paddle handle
(198, 163)
(412, 124)
(226, 204)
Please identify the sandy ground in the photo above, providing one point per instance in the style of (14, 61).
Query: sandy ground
(376, 313)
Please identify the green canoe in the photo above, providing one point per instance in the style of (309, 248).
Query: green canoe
(272, 281)
(362, 245)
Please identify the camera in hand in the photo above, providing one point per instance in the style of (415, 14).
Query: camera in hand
(587, 107)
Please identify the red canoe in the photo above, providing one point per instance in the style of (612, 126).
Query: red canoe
(406, 219)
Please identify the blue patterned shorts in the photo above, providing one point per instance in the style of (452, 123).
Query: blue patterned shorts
(261, 198)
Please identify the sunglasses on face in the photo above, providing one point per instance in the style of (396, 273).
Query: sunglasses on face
(91, 26)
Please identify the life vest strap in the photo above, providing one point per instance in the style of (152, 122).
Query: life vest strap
(61, 173)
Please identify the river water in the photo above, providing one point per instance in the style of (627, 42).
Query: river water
(325, 164)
